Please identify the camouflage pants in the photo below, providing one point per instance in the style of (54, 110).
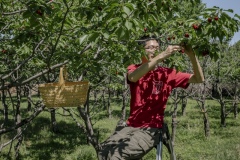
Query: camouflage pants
(129, 143)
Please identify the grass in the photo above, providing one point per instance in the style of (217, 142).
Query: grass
(70, 143)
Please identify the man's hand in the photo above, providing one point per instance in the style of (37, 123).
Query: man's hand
(188, 49)
(173, 48)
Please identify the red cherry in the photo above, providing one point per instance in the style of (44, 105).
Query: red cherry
(169, 38)
(182, 51)
(186, 35)
(216, 18)
(145, 29)
(4, 51)
(173, 37)
(39, 12)
(209, 20)
(195, 26)
(205, 53)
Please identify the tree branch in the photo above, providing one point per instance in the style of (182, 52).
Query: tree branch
(23, 122)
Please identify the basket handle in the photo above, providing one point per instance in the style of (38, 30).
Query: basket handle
(62, 75)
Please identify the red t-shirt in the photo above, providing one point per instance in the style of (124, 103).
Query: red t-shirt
(150, 93)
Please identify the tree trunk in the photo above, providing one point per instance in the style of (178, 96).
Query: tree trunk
(223, 107)
(53, 121)
(204, 111)
(235, 108)
(103, 99)
(29, 98)
(235, 101)
(124, 97)
(18, 121)
(205, 120)
(91, 136)
(5, 109)
(223, 114)
(184, 105)
(109, 101)
(174, 117)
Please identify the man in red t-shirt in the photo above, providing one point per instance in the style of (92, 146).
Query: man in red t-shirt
(150, 87)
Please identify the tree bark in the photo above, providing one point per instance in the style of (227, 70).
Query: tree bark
(18, 121)
(5, 109)
(109, 100)
(184, 105)
(53, 121)
(29, 98)
(124, 97)
(174, 116)
(205, 120)
(235, 101)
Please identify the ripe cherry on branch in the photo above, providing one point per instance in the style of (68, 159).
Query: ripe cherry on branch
(195, 26)
(182, 51)
(145, 29)
(216, 18)
(205, 52)
(209, 20)
(39, 12)
(186, 35)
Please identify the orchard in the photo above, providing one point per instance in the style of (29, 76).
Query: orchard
(96, 40)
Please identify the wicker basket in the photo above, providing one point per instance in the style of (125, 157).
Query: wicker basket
(64, 93)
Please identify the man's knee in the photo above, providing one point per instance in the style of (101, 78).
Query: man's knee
(109, 155)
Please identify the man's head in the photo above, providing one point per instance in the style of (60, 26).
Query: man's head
(151, 46)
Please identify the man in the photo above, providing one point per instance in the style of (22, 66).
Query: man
(150, 87)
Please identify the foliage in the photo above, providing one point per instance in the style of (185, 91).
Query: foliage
(49, 32)
(97, 40)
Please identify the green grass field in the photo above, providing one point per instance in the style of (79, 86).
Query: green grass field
(70, 143)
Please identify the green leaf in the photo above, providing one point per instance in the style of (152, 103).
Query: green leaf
(229, 10)
(236, 15)
(128, 25)
(126, 10)
(122, 33)
(106, 35)
(26, 14)
(93, 37)
(83, 38)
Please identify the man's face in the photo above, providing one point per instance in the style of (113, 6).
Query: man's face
(151, 48)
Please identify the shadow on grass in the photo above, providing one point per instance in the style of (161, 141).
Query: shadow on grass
(44, 144)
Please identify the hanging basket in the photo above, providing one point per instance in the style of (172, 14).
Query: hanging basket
(64, 93)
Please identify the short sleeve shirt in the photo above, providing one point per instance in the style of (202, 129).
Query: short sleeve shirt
(150, 93)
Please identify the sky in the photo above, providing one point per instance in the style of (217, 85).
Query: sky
(226, 4)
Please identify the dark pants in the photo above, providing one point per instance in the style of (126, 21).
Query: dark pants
(129, 143)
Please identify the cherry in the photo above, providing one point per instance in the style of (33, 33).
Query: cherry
(169, 38)
(186, 35)
(4, 51)
(205, 53)
(173, 37)
(195, 26)
(145, 29)
(39, 12)
(216, 18)
(209, 20)
(182, 51)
